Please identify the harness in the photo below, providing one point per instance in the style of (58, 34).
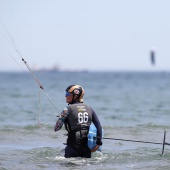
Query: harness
(77, 136)
(77, 125)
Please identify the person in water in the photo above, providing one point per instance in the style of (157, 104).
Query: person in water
(77, 118)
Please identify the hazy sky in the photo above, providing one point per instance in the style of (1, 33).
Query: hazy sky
(86, 34)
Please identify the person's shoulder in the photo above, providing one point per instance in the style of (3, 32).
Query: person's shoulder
(86, 105)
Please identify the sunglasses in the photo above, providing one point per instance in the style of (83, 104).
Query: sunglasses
(68, 94)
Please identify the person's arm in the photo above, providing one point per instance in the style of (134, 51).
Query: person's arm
(61, 119)
(96, 122)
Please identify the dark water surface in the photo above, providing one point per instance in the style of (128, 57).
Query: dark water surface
(129, 105)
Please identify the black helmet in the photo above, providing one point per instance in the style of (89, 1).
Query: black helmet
(76, 90)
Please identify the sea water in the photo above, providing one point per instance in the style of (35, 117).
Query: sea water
(130, 105)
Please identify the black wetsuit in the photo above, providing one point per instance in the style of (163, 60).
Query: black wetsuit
(77, 124)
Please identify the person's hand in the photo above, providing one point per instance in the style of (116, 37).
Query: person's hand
(95, 148)
(55, 128)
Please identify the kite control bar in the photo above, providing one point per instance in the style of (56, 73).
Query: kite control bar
(139, 141)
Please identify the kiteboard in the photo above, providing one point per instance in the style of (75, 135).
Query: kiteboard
(92, 137)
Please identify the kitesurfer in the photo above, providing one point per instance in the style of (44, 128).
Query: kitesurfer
(77, 118)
